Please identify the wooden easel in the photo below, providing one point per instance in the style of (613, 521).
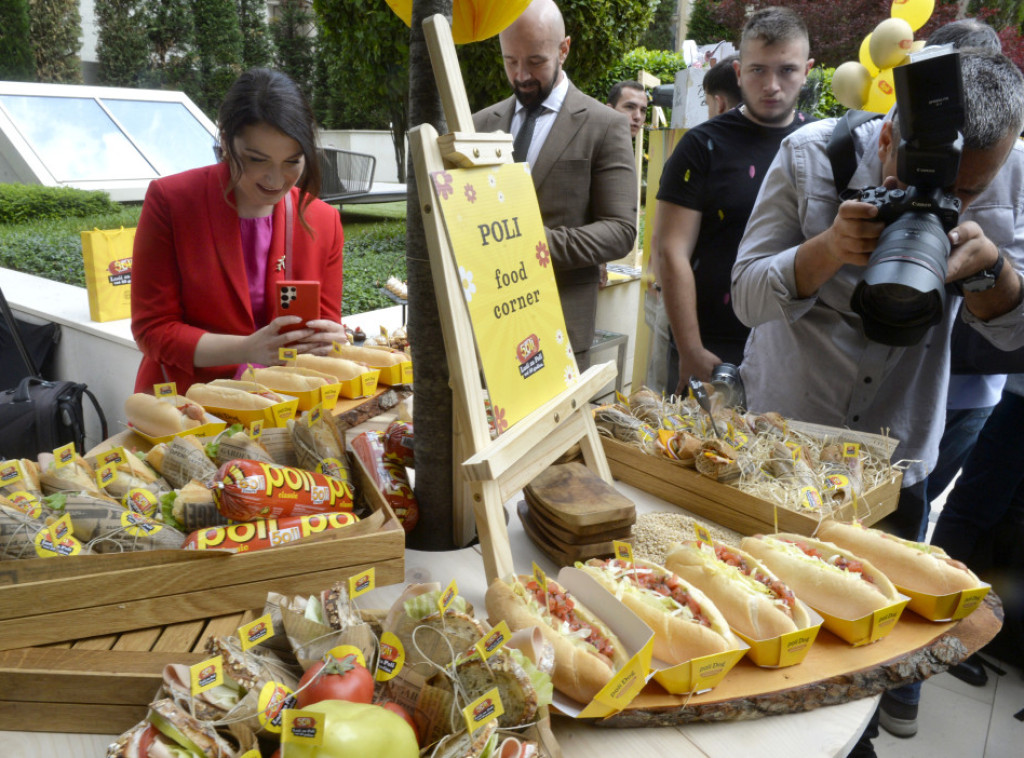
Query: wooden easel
(487, 472)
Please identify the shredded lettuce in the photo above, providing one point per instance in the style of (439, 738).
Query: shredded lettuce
(541, 682)
(56, 502)
(167, 510)
(421, 606)
(489, 748)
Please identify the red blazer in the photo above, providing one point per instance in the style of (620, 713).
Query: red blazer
(188, 275)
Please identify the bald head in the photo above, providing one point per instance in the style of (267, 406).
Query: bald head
(534, 48)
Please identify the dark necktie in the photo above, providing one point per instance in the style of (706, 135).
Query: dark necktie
(521, 145)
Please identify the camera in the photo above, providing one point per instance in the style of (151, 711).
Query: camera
(903, 291)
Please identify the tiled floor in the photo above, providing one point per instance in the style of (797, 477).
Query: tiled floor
(961, 721)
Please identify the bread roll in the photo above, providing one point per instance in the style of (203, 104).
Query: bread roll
(159, 417)
(289, 378)
(212, 396)
(341, 369)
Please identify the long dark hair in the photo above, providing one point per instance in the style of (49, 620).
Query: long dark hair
(264, 96)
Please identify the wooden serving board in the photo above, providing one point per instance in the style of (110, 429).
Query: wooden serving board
(562, 553)
(833, 673)
(577, 499)
(99, 685)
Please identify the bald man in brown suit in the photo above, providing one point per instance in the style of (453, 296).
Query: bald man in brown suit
(581, 159)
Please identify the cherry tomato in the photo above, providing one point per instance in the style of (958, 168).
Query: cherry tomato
(396, 708)
(342, 679)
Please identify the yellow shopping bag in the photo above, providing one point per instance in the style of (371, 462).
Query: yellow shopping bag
(107, 254)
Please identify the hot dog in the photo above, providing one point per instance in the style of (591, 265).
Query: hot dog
(686, 623)
(823, 575)
(248, 490)
(159, 417)
(914, 565)
(753, 600)
(288, 378)
(340, 368)
(371, 356)
(587, 652)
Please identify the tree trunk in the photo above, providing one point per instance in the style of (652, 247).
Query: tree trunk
(432, 404)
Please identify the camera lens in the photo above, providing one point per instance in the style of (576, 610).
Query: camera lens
(903, 292)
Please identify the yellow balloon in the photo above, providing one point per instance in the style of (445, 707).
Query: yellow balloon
(890, 42)
(472, 20)
(850, 84)
(865, 57)
(914, 12)
(881, 93)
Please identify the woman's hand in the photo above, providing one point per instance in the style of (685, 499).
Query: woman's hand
(263, 346)
(321, 335)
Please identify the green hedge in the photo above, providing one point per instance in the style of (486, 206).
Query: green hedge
(660, 63)
(21, 202)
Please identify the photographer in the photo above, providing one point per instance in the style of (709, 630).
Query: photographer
(804, 252)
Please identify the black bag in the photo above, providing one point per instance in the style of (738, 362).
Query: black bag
(38, 415)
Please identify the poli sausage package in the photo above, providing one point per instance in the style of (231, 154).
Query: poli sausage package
(247, 490)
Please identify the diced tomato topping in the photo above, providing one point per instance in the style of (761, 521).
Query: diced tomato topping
(667, 584)
(562, 607)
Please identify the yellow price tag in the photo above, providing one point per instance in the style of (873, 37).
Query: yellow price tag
(10, 473)
(810, 498)
(702, 534)
(448, 596)
(166, 390)
(494, 640)
(851, 450)
(314, 415)
(623, 551)
(106, 475)
(206, 675)
(256, 429)
(287, 355)
(336, 349)
(60, 529)
(304, 727)
(256, 632)
(485, 708)
(116, 456)
(391, 658)
(621, 399)
(64, 455)
(361, 583)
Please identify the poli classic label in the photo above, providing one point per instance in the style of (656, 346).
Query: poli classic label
(256, 632)
(391, 658)
(45, 547)
(273, 700)
(138, 525)
(27, 503)
(141, 501)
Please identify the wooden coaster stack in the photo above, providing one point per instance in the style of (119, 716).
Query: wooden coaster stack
(572, 514)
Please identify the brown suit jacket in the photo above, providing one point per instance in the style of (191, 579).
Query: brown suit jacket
(586, 188)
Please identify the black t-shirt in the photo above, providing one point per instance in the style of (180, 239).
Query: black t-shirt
(717, 169)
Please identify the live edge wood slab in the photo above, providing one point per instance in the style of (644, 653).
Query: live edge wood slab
(832, 673)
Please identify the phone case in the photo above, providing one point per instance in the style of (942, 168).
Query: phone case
(295, 298)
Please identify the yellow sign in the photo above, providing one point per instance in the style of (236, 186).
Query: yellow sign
(106, 475)
(362, 583)
(447, 597)
(485, 708)
(508, 280)
(623, 551)
(305, 726)
(64, 455)
(166, 389)
(702, 534)
(494, 640)
(256, 632)
(256, 429)
(287, 355)
(391, 658)
(206, 675)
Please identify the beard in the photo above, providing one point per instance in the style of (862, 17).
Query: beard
(536, 92)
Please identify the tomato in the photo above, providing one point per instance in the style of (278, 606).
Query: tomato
(357, 729)
(341, 679)
(396, 708)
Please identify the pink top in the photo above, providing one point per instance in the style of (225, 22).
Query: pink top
(256, 236)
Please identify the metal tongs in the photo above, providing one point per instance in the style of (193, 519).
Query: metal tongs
(701, 396)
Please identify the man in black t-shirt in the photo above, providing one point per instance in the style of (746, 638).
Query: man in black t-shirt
(708, 188)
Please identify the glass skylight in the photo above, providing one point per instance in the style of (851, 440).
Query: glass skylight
(99, 137)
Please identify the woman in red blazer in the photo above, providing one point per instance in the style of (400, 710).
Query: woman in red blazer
(211, 244)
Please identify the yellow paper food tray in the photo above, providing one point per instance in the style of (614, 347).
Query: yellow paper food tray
(697, 674)
(866, 629)
(634, 634)
(950, 607)
(272, 416)
(400, 374)
(363, 385)
(211, 426)
(787, 649)
(326, 396)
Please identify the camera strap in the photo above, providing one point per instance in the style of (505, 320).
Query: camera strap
(840, 148)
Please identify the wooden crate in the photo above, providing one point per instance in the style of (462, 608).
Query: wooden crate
(47, 600)
(99, 685)
(727, 505)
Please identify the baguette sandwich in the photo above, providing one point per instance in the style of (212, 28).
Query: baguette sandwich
(160, 417)
(686, 623)
(754, 601)
(916, 566)
(587, 652)
(823, 575)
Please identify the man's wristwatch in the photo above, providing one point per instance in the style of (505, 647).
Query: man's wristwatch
(983, 280)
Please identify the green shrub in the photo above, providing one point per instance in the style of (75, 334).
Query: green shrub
(371, 256)
(704, 29)
(660, 63)
(21, 202)
(821, 103)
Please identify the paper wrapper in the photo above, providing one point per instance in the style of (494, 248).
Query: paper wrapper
(184, 462)
(432, 708)
(240, 445)
(277, 441)
(311, 640)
